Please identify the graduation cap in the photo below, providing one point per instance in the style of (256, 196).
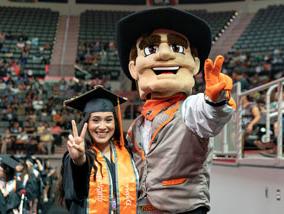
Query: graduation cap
(98, 99)
(195, 29)
(7, 160)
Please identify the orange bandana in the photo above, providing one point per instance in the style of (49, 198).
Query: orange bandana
(153, 107)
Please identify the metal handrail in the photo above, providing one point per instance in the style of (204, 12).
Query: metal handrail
(276, 84)
(280, 132)
(262, 87)
(268, 95)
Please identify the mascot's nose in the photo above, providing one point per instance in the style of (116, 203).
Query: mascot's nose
(165, 53)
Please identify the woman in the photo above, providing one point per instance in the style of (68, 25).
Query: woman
(98, 174)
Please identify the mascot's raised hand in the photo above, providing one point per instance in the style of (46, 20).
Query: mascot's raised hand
(218, 86)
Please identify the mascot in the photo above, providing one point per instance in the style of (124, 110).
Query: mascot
(162, 49)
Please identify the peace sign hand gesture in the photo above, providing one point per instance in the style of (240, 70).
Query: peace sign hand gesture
(76, 144)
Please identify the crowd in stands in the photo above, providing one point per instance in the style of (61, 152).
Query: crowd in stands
(18, 50)
(27, 184)
(253, 70)
(32, 110)
(32, 116)
(98, 58)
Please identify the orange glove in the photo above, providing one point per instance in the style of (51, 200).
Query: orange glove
(216, 82)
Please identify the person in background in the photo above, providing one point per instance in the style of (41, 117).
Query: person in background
(11, 190)
(250, 118)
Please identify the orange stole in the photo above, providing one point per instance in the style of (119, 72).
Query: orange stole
(100, 191)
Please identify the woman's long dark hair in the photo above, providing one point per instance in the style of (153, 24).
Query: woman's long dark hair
(89, 150)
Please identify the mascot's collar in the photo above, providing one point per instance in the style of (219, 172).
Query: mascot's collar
(153, 107)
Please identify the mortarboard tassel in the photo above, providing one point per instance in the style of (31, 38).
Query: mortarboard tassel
(120, 123)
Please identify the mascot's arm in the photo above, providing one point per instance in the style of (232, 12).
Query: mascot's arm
(218, 85)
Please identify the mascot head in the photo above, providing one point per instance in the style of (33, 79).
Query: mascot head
(162, 49)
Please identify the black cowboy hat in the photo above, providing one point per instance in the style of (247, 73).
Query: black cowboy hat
(133, 26)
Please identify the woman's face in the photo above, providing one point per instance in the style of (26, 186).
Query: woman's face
(101, 126)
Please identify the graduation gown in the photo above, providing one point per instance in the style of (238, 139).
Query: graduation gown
(11, 201)
(76, 195)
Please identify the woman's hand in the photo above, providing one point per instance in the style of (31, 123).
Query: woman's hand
(76, 144)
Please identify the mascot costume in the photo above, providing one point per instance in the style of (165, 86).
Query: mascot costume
(162, 49)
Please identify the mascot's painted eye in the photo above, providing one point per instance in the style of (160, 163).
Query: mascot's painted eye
(150, 50)
(177, 48)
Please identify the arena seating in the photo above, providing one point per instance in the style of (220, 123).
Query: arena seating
(218, 21)
(262, 38)
(97, 31)
(261, 35)
(133, 2)
(32, 28)
(99, 27)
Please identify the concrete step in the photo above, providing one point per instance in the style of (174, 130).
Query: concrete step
(231, 34)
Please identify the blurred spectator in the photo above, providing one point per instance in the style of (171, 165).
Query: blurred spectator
(37, 103)
(35, 41)
(3, 85)
(56, 131)
(24, 56)
(29, 125)
(250, 118)
(6, 141)
(239, 76)
(45, 138)
(272, 150)
(2, 39)
(9, 114)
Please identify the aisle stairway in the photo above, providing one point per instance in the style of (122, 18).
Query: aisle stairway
(231, 34)
(65, 48)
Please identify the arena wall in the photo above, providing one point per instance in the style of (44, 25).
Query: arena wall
(72, 8)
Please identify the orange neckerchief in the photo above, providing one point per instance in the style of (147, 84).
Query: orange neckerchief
(153, 107)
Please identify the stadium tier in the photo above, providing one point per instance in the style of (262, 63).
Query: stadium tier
(97, 52)
(28, 38)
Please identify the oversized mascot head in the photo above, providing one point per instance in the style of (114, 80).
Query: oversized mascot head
(162, 49)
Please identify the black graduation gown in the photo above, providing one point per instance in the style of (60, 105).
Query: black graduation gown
(2, 204)
(12, 200)
(33, 187)
(76, 184)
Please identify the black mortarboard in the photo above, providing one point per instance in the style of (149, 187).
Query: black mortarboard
(133, 26)
(8, 161)
(98, 99)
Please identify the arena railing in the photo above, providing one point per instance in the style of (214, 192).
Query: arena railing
(229, 142)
